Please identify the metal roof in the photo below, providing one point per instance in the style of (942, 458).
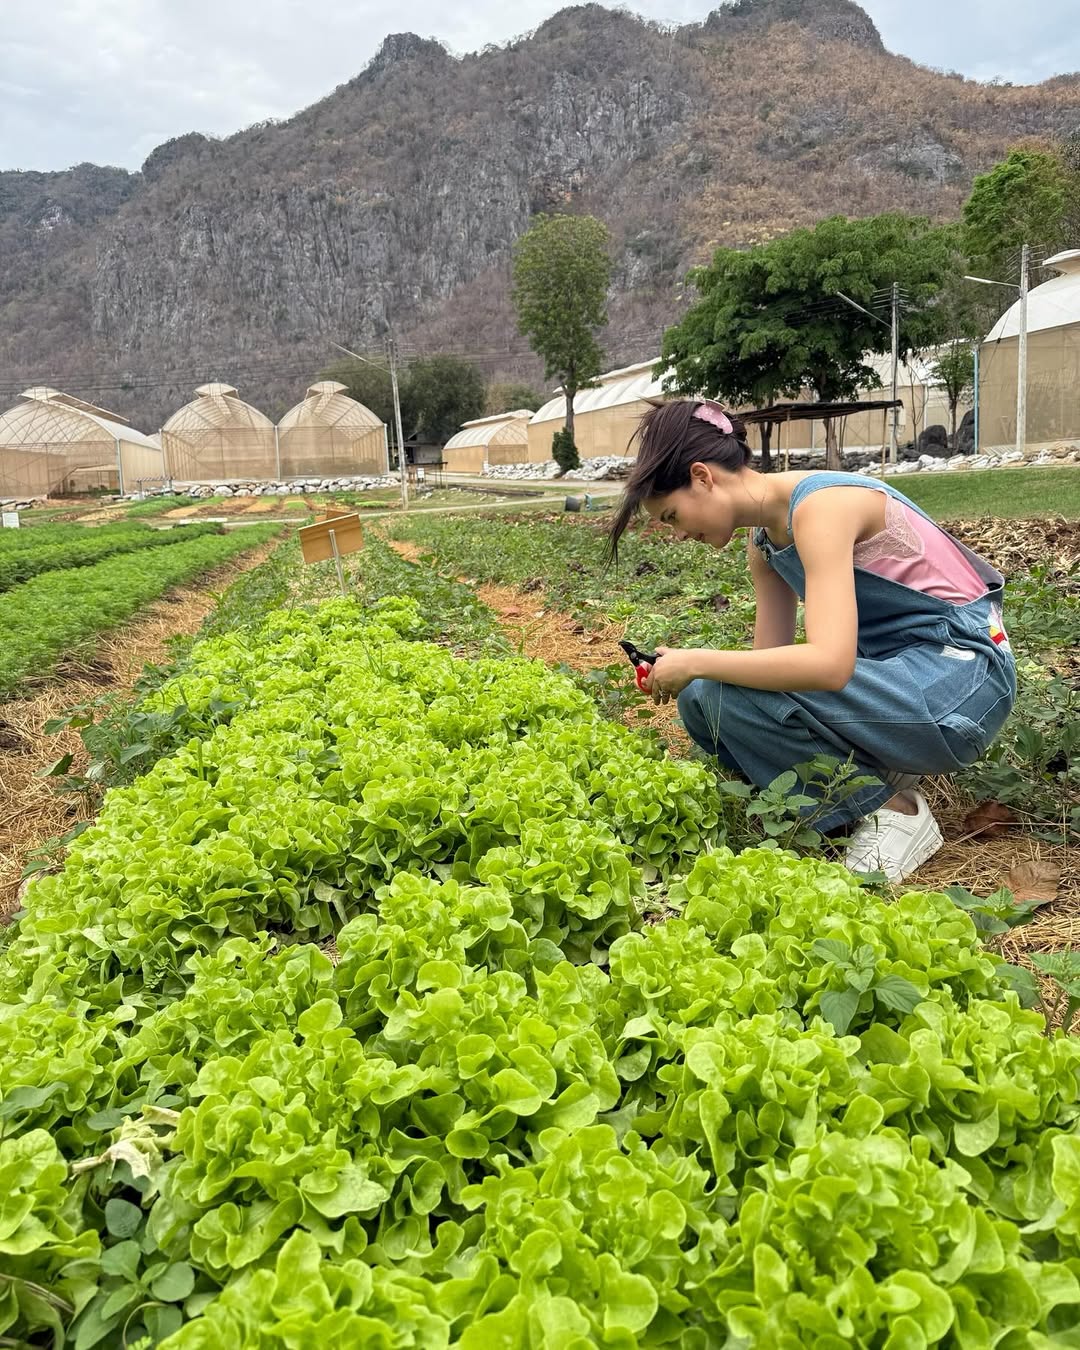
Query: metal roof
(812, 412)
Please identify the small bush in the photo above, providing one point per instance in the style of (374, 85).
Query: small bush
(564, 452)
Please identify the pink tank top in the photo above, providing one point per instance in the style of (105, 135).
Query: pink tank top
(912, 550)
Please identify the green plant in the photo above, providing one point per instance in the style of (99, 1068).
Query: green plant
(561, 274)
(1063, 967)
(51, 613)
(564, 451)
(505, 1106)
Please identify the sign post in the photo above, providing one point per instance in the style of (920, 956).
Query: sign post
(332, 538)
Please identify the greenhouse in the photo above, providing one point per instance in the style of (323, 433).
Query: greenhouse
(1053, 362)
(219, 436)
(605, 416)
(53, 442)
(501, 439)
(329, 433)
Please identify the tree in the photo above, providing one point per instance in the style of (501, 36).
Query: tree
(564, 452)
(954, 370)
(561, 274)
(770, 324)
(509, 396)
(368, 384)
(438, 394)
(1026, 199)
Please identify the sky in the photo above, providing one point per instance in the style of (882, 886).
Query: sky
(108, 80)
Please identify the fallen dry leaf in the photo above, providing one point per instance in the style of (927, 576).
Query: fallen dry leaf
(988, 818)
(1034, 880)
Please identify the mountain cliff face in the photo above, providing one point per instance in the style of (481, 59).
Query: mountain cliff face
(397, 198)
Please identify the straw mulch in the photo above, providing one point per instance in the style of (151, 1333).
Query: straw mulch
(31, 811)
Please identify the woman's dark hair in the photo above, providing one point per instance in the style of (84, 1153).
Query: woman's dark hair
(671, 438)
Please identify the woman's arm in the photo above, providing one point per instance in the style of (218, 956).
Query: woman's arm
(774, 620)
(825, 534)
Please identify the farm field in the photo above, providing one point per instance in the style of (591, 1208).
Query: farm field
(55, 610)
(682, 594)
(400, 995)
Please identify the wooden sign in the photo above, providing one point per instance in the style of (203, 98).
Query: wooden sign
(317, 544)
(331, 512)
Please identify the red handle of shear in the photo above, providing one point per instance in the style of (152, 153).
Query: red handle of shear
(642, 662)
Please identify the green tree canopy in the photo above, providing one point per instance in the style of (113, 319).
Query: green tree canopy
(437, 395)
(562, 270)
(770, 324)
(1031, 197)
(369, 385)
(508, 396)
(954, 370)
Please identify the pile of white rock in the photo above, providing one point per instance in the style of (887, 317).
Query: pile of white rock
(295, 487)
(591, 471)
(991, 459)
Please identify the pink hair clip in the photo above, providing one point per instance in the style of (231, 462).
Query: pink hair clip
(714, 414)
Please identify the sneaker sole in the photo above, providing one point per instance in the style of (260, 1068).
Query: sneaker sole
(924, 853)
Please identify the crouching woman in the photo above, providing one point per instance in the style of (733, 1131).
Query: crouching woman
(906, 667)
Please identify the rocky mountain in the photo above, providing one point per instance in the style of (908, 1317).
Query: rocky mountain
(396, 199)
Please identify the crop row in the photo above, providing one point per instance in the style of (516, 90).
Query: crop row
(91, 546)
(51, 613)
(663, 589)
(509, 1108)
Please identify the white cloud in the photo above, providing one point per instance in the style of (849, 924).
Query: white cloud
(107, 80)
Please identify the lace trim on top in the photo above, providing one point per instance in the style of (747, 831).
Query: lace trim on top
(898, 539)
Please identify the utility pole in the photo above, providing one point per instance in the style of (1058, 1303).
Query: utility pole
(1022, 344)
(391, 353)
(893, 438)
(391, 356)
(894, 333)
(1022, 353)
(975, 382)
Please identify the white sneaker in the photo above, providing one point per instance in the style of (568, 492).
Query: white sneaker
(890, 842)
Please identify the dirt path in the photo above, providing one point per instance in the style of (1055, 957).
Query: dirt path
(31, 811)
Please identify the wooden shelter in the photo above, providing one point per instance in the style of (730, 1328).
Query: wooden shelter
(768, 421)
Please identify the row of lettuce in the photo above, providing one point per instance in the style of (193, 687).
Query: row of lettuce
(349, 1023)
(64, 593)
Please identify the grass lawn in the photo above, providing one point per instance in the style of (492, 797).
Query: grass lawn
(1006, 493)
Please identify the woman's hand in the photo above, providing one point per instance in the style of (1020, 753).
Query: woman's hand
(675, 668)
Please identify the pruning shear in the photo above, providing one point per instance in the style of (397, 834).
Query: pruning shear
(642, 662)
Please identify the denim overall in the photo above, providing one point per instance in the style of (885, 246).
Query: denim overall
(930, 691)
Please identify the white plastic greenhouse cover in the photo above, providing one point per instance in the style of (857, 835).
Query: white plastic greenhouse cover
(65, 427)
(616, 387)
(481, 430)
(1054, 304)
